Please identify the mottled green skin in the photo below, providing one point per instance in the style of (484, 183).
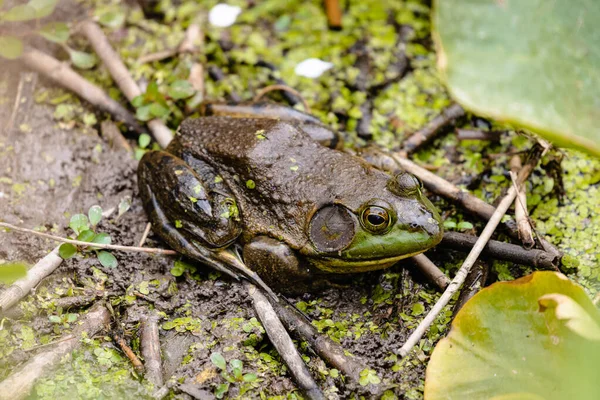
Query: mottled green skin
(279, 178)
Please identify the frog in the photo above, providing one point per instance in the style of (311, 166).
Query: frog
(266, 194)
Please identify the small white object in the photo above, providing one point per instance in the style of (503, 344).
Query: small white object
(312, 67)
(223, 15)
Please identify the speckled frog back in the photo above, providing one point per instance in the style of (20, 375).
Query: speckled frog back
(278, 174)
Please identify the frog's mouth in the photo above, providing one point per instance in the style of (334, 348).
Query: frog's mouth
(345, 265)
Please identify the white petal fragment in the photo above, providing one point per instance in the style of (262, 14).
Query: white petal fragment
(312, 67)
(223, 15)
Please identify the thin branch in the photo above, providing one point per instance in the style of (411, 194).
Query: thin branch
(63, 75)
(121, 76)
(283, 343)
(474, 134)
(431, 271)
(333, 353)
(164, 252)
(19, 289)
(458, 280)
(18, 385)
(285, 88)
(150, 344)
(334, 14)
(145, 234)
(501, 251)
(135, 361)
(521, 214)
(434, 127)
(111, 134)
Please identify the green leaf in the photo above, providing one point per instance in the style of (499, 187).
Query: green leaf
(218, 360)
(249, 377)
(144, 140)
(138, 101)
(180, 89)
(86, 236)
(57, 32)
(113, 18)
(10, 47)
(55, 319)
(221, 390)
(22, 12)
(531, 63)
(143, 113)
(82, 59)
(12, 271)
(95, 214)
(102, 238)
(71, 317)
(79, 223)
(107, 259)
(536, 337)
(158, 110)
(67, 250)
(152, 93)
(43, 8)
(179, 267)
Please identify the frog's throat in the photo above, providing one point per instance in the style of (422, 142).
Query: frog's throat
(345, 266)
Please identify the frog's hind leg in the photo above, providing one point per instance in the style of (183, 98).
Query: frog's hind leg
(197, 227)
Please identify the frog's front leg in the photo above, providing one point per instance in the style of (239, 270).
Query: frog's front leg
(278, 266)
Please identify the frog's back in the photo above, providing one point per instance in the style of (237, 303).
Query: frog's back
(278, 173)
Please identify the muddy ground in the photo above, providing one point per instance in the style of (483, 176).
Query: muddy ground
(51, 169)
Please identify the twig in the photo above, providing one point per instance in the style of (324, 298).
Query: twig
(283, 343)
(285, 88)
(63, 75)
(521, 215)
(21, 288)
(137, 364)
(474, 282)
(458, 280)
(187, 45)
(157, 56)
(164, 252)
(150, 344)
(18, 385)
(121, 76)
(145, 234)
(333, 353)
(473, 134)
(502, 251)
(431, 271)
(427, 133)
(111, 133)
(334, 14)
(25, 79)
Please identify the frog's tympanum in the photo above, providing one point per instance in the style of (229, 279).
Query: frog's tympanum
(297, 211)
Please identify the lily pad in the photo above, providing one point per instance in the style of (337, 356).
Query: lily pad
(533, 63)
(537, 337)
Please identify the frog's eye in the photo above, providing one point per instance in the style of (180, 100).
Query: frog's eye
(375, 219)
(405, 184)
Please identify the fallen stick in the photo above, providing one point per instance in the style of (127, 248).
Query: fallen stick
(334, 14)
(501, 251)
(521, 214)
(283, 343)
(434, 127)
(431, 271)
(145, 234)
(331, 352)
(164, 252)
(63, 75)
(458, 280)
(18, 384)
(135, 361)
(162, 134)
(22, 287)
(150, 344)
(285, 88)
(111, 133)
(474, 282)
(473, 134)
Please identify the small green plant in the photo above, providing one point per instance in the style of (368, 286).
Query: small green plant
(155, 104)
(233, 375)
(84, 227)
(64, 319)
